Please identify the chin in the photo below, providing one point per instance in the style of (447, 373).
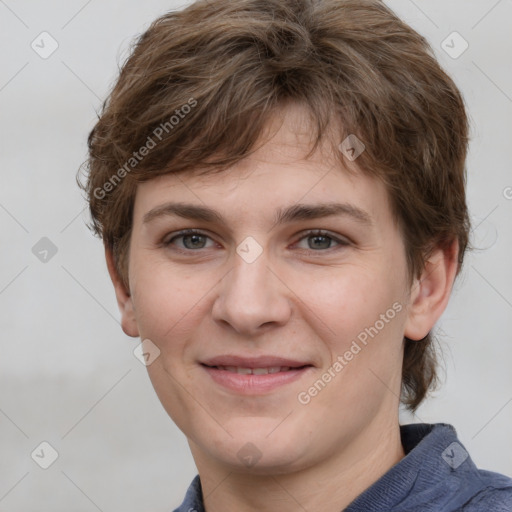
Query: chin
(263, 460)
(258, 447)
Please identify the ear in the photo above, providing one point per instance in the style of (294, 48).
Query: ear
(431, 292)
(124, 299)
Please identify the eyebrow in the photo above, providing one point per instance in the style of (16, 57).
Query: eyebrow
(289, 214)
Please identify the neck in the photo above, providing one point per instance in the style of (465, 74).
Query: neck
(329, 486)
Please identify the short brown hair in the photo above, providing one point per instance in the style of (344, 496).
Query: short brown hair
(207, 80)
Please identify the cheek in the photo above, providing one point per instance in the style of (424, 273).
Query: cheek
(347, 302)
(364, 315)
(166, 301)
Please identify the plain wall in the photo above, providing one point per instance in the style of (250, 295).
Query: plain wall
(67, 372)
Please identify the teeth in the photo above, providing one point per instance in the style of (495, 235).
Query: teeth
(254, 371)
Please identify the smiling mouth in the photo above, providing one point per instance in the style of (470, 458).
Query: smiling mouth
(256, 379)
(256, 371)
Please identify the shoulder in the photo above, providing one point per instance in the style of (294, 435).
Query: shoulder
(495, 494)
(445, 476)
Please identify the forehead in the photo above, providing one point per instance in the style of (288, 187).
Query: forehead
(280, 172)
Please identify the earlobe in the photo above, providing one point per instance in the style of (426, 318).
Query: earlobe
(431, 292)
(124, 299)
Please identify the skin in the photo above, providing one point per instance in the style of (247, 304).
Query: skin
(304, 298)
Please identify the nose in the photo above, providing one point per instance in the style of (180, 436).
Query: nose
(252, 297)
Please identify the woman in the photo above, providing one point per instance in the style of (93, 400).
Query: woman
(280, 189)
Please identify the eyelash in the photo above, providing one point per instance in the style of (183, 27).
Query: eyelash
(307, 234)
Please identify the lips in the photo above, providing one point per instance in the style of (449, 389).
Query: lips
(254, 376)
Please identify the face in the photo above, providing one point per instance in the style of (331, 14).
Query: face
(280, 318)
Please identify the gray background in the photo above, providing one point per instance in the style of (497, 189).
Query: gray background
(67, 372)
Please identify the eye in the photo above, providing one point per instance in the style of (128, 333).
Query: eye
(194, 240)
(321, 240)
(191, 238)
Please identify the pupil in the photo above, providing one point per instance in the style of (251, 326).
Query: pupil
(194, 239)
(326, 241)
